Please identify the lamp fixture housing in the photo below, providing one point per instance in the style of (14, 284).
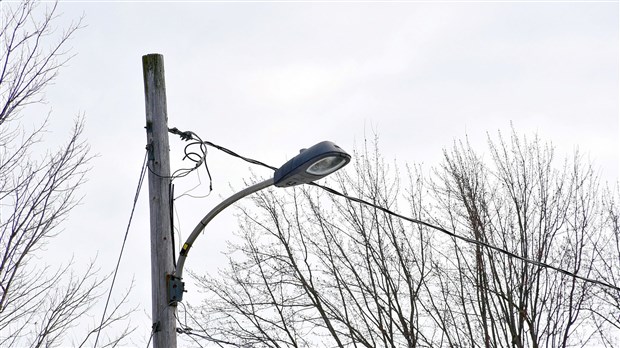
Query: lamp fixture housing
(311, 164)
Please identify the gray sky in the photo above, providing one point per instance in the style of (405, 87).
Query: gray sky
(266, 79)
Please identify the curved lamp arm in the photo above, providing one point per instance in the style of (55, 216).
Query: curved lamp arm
(309, 165)
(178, 273)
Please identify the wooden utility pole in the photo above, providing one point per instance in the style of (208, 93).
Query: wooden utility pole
(164, 326)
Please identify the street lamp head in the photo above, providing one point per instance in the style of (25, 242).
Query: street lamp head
(311, 164)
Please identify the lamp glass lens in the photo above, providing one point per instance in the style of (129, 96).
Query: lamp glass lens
(326, 165)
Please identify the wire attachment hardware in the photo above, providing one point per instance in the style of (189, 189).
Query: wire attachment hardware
(187, 136)
(155, 328)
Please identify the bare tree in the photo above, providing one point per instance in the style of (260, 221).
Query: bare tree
(607, 311)
(520, 202)
(315, 270)
(38, 304)
(312, 269)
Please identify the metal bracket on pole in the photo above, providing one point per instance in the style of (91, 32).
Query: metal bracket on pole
(176, 288)
(149, 149)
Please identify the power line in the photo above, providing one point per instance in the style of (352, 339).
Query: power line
(234, 154)
(153, 330)
(189, 135)
(424, 223)
(199, 158)
(466, 239)
(185, 329)
(135, 201)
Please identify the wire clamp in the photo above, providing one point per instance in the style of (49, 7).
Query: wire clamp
(187, 136)
(150, 150)
(155, 328)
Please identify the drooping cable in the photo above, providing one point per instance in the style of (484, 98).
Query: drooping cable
(234, 154)
(188, 191)
(118, 262)
(153, 330)
(197, 157)
(466, 239)
(191, 135)
(171, 205)
(185, 329)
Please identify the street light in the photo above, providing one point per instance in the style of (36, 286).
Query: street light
(309, 165)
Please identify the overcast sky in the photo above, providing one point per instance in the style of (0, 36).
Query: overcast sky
(266, 79)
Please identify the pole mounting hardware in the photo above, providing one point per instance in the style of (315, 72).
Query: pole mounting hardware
(176, 288)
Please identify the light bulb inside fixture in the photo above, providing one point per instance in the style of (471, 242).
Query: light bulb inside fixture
(326, 165)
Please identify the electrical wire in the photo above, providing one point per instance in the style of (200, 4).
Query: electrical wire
(234, 154)
(171, 205)
(424, 223)
(466, 239)
(176, 228)
(198, 158)
(187, 193)
(148, 344)
(133, 208)
(184, 329)
(188, 135)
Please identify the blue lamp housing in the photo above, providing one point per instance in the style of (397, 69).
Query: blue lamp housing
(311, 164)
